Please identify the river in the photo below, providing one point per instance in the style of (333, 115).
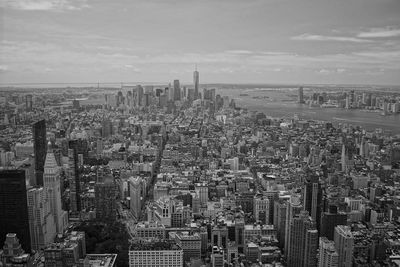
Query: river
(281, 103)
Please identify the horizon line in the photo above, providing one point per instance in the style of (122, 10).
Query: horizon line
(129, 83)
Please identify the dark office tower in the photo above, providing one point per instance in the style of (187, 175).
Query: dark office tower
(177, 90)
(73, 176)
(331, 219)
(14, 207)
(29, 103)
(303, 242)
(301, 95)
(196, 83)
(313, 197)
(39, 148)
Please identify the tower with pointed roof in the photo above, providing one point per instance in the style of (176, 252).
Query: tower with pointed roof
(52, 185)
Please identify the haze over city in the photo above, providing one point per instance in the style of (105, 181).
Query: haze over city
(235, 41)
(182, 133)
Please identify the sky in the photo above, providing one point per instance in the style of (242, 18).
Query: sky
(231, 41)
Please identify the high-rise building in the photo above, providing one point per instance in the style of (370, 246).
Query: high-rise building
(279, 221)
(294, 208)
(217, 257)
(155, 254)
(328, 257)
(41, 222)
(261, 209)
(272, 196)
(74, 176)
(39, 148)
(106, 129)
(313, 197)
(105, 199)
(13, 254)
(301, 95)
(135, 190)
(177, 90)
(14, 207)
(190, 244)
(331, 219)
(202, 191)
(196, 83)
(303, 240)
(52, 186)
(344, 244)
(28, 102)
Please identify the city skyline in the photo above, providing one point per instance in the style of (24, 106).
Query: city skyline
(302, 42)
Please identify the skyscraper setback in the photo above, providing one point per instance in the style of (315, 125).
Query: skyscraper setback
(14, 207)
(39, 148)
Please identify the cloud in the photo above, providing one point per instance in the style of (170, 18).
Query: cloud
(132, 68)
(340, 70)
(239, 52)
(379, 33)
(3, 68)
(314, 37)
(323, 71)
(44, 5)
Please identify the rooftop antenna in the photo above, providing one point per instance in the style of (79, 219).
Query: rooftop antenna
(195, 67)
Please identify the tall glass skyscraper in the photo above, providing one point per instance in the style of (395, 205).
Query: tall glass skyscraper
(14, 207)
(39, 148)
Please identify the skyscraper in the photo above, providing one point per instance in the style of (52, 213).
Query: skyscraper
(344, 244)
(196, 83)
(74, 177)
(14, 207)
(52, 186)
(135, 187)
(328, 257)
(39, 148)
(28, 103)
(294, 207)
(313, 197)
(279, 221)
(303, 240)
(301, 95)
(177, 90)
(330, 219)
(140, 92)
(41, 222)
(261, 209)
(105, 199)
